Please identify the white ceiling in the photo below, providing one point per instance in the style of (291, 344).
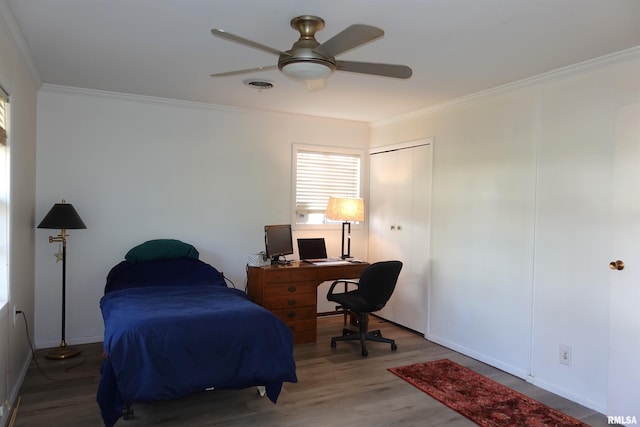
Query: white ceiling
(164, 48)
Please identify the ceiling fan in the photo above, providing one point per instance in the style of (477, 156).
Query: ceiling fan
(311, 62)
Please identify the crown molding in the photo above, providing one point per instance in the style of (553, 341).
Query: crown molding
(135, 97)
(9, 24)
(560, 73)
(46, 87)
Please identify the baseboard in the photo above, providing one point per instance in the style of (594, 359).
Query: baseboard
(519, 373)
(13, 394)
(567, 395)
(480, 356)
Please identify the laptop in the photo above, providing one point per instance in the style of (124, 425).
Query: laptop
(312, 249)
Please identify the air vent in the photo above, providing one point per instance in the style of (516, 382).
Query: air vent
(258, 84)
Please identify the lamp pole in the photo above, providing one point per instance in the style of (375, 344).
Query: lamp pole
(63, 351)
(346, 225)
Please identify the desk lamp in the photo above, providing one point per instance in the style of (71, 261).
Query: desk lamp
(62, 216)
(345, 210)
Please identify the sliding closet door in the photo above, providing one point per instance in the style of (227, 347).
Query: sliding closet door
(399, 211)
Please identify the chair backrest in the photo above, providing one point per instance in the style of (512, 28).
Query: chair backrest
(378, 281)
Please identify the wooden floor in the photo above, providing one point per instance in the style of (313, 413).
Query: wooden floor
(335, 387)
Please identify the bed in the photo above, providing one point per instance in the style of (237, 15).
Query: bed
(173, 327)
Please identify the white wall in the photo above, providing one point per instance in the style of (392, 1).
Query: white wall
(521, 222)
(482, 221)
(17, 78)
(481, 224)
(139, 168)
(573, 227)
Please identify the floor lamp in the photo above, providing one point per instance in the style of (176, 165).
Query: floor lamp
(62, 216)
(345, 210)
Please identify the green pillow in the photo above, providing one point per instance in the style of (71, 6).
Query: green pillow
(161, 249)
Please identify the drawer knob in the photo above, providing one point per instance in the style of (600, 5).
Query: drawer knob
(291, 289)
(291, 314)
(291, 302)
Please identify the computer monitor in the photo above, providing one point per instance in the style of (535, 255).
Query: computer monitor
(278, 241)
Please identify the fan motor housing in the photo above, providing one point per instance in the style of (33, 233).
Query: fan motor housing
(302, 52)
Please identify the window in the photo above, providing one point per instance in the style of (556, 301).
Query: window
(320, 172)
(3, 125)
(4, 196)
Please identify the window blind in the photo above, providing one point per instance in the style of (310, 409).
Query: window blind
(3, 126)
(320, 175)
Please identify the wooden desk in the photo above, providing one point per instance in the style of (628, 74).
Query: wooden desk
(290, 292)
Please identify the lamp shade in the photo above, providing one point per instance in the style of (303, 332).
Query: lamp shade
(306, 71)
(62, 216)
(345, 209)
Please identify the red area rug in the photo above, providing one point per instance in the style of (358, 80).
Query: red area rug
(482, 400)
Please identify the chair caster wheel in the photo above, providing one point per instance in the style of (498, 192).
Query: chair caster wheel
(333, 344)
(394, 347)
(365, 353)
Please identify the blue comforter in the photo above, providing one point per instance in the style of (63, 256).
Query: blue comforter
(164, 342)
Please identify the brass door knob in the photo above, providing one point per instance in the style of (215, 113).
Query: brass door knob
(616, 265)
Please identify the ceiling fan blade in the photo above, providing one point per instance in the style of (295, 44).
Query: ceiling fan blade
(232, 37)
(315, 85)
(385, 70)
(246, 70)
(351, 37)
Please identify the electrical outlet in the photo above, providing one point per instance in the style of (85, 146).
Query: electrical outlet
(565, 354)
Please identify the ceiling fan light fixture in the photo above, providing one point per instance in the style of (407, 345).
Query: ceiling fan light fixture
(303, 71)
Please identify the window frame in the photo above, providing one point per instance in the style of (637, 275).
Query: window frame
(4, 194)
(332, 225)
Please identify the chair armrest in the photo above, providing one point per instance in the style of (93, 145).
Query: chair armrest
(346, 283)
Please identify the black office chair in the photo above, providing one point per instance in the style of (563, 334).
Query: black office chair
(374, 289)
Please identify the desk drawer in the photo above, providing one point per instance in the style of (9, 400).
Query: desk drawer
(301, 321)
(290, 301)
(352, 271)
(299, 326)
(302, 274)
(287, 275)
(277, 276)
(298, 315)
(302, 326)
(289, 289)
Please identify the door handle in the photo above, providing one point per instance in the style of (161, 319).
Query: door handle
(616, 265)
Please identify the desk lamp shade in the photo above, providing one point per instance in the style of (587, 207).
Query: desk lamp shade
(345, 210)
(62, 216)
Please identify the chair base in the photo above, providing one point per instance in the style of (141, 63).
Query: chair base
(363, 335)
